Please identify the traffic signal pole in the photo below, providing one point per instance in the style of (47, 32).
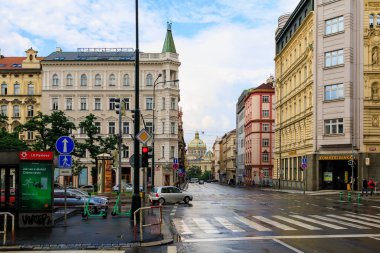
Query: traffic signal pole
(136, 201)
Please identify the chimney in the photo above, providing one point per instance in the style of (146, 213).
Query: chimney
(58, 49)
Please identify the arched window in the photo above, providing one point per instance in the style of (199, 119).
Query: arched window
(149, 80)
(16, 111)
(30, 111)
(3, 110)
(371, 20)
(4, 89)
(30, 89)
(98, 80)
(16, 89)
(126, 80)
(375, 91)
(112, 80)
(55, 80)
(69, 80)
(83, 80)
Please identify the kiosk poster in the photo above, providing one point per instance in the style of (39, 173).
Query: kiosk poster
(35, 186)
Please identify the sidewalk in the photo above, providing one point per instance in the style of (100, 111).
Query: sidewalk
(112, 233)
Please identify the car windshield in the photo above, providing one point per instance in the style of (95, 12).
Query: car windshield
(154, 189)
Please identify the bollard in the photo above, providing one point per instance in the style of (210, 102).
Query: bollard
(341, 196)
(359, 197)
(349, 197)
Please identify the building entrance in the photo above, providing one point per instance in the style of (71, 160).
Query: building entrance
(336, 174)
(9, 188)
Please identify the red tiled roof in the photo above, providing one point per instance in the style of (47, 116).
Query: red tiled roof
(10, 62)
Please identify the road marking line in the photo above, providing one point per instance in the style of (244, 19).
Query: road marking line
(273, 223)
(172, 249)
(270, 237)
(252, 224)
(375, 238)
(205, 226)
(340, 222)
(354, 220)
(227, 224)
(367, 215)
(363, 218)
(318, 222)
(297, 223)
(375, 206)
(330, 208)
(182, 227)
(288, 246)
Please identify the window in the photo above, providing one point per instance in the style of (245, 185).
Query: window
(111, 127)
(371, 18)
(378, 19)
(82, 130)
(149, 80)
(69, 80)
(265, 127)
(265, 113)
(334, 91)
(172, 104)
(334, 58)
(265, 99)
(83, 104)
(149, 103)
(111, 104)
(163, 127)
(68, 104)
(16, 89)
(98, 80)
(83, 80)
(172, 150)
(30, 135)
(334, 126)
(125, 127)
(30, 89)
(98, 127)
(97, 104)
(149, 127)
(265, 156)
(4, 110)
(163, 103)
(334, 25)
(126, 80)
(112, 80)
(126, 152)
(162, 151)
(4, 89)
(30, 111)
(127, 104)
(55, 80)
(172, 127)
(54, 104)
(16, 111)
(265, 142)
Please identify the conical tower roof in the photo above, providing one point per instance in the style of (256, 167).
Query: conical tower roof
(169, 42)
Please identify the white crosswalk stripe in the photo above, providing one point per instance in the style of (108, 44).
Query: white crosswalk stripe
(273, 223)
(227, 224)
(297, 223)
(318, 222)
(252, 224)
(362, 218)
(182, 228)
(354, 220)
(368, 215)
(205, 226)
(339, 221)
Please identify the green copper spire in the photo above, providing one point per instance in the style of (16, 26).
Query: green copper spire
(169, 42)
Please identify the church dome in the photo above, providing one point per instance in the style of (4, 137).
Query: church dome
(196, 142)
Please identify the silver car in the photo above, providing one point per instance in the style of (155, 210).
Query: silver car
(168, 194)
(78, 199)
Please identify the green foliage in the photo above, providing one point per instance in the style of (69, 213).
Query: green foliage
(194, 171)
(3, 119)
(206, 175)
(11, 142)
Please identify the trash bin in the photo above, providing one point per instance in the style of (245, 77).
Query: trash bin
(348, 187)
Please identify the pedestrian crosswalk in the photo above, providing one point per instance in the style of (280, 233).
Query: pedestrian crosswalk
(285, 222)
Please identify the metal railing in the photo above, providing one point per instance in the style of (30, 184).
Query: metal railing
(141, 225)
(5, 214)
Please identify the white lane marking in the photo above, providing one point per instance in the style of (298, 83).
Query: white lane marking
(227, 224)
(172, 249)
(205, 226)
(340, 222)
(288, 246)
(331, 208)
(362, 218)
(368, 215)
(273, 223)
(318, 222)
(355, 220)
(252, 224)
(375, 206)
(375, 238)
(269, 237)
(182, 227)
(297, 223)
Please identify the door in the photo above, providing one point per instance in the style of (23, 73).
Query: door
(9, 189)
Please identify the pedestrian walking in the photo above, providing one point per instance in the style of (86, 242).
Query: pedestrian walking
(371, 186)
(365, 187)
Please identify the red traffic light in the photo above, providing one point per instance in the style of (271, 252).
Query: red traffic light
(145, 149)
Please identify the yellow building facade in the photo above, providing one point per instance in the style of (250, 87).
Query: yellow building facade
(20, 95)
(294, 93)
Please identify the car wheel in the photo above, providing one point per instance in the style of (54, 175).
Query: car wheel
(186, 200)
(92, 209)
(161, 201)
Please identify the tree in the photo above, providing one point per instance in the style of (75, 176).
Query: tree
(194, 171)
(10, 141)
(206, 175)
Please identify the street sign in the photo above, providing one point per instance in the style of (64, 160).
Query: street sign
(304, 160)
(143, 136)
(64, 161)
(64, 145)
(304, 165)
(175, 166)
(65, 172)
(175, 160)
(132, 160)
(350, 162)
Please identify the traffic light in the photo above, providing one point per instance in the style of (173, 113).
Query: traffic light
(144, 156)
(117, 105)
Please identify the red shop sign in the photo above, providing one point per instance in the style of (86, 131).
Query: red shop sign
(36, 155)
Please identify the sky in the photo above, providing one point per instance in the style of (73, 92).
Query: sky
(224, 46)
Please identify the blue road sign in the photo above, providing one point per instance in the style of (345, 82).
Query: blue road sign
(175, 160)
(64, 145)
(64, 161)
(304, 159)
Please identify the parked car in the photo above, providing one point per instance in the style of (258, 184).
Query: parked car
(87, 188)
(201, 181)
(194, 180)
(75, 199)
(78, 192)
(127, 188)
(168, 194)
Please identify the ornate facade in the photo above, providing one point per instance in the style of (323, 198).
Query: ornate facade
(197, 154)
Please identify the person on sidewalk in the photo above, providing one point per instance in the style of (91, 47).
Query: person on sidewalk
(371, 186)
(365, 187)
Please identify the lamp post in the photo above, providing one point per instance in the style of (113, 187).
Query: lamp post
(154, 120)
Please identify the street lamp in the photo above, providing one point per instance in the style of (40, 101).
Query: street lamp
(154, 119)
